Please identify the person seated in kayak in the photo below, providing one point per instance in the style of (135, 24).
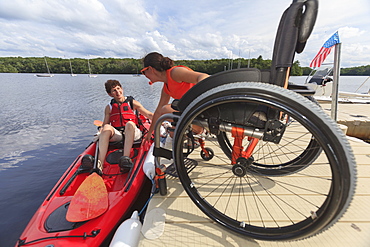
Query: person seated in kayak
(177, 81)
(120, 118)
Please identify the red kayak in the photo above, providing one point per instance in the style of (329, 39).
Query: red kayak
(98, 203)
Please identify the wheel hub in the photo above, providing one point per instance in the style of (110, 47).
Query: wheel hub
(239, 170)
(241, 167)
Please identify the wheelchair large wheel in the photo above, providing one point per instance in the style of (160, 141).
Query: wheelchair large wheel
(244, 197)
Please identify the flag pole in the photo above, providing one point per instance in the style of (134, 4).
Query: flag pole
(336, 75)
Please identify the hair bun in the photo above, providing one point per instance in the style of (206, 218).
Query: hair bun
(167, 63)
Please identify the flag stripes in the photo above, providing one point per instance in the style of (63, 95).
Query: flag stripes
(325, 51)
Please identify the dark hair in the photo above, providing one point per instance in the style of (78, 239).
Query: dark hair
(111, 84)
(158, 61)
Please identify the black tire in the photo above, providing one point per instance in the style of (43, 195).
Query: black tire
(259, 204)
(210, 154)
(162, 184)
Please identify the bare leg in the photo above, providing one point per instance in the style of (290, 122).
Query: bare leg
(168, 109)
(105, 135)
(129, 138)
(197, 129)
(125, 162)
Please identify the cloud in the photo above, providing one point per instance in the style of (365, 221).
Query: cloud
(350, 32)
(179, 29)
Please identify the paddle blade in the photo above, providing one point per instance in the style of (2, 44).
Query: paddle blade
(98, 123)
(154, 222)
(89, 201)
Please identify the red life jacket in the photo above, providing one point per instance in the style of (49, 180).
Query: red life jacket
(120, 114)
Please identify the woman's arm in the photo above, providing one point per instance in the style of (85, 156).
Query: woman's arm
(165, 98)
(181, 74)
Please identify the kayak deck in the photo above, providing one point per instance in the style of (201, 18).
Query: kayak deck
(49, 224)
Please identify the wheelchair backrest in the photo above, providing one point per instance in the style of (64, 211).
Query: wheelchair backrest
(295, 27)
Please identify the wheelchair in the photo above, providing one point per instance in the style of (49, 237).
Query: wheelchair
(273, 165)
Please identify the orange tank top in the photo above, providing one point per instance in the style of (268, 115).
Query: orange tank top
(176, 89)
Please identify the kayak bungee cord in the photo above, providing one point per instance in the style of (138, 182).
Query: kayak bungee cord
(93, 235)
(154, 191)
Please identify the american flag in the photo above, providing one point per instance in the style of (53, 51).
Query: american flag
(325, 50)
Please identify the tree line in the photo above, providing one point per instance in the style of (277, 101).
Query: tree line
(133, 66)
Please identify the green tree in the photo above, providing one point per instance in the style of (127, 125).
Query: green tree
(132, 66)
(296, 69)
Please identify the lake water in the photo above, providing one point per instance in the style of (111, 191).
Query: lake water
(47, 122)
(346, 83)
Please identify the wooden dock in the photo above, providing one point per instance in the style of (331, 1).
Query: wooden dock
(186, 225)
(355, 116)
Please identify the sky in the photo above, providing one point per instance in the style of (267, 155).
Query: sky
(192, 29)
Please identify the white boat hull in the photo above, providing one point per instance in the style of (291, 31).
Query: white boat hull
(44, 75)
(324, 94)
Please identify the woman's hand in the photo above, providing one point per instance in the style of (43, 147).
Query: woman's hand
(148, 136)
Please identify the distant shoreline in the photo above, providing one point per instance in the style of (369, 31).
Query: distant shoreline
(132, 66)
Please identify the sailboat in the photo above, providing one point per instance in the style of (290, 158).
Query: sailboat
(90, 75)
(321, 81)
(48, 74)
(70, 65)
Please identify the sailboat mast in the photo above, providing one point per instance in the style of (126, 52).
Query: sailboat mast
(90, 75)
(70, 65)
(47, 67)
(45, 74)
(88, 63)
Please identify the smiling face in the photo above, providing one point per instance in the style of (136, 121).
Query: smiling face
(114, 90)
(117, 93)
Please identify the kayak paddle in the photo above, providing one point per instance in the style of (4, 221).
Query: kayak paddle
(98, 123)
(89, 201)
(91, 198)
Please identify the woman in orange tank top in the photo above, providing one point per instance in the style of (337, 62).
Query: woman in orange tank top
(177, 81)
